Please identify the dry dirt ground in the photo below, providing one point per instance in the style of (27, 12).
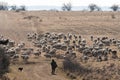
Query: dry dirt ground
(15, 25)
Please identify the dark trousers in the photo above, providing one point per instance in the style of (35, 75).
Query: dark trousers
(53, 71)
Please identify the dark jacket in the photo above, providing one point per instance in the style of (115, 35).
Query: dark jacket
(53, 64)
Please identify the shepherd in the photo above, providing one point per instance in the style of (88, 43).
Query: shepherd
(53, 66)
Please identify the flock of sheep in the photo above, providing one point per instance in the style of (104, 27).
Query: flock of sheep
(70, 46)
(17, 50)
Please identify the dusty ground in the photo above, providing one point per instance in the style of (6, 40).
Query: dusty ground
(15, 25)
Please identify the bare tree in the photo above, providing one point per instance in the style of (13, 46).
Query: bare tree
(94, 7)
(13, 7)
(3, 6)
(115, 7)
(23, 7)
(67, 7)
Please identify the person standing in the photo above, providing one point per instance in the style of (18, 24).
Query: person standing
(53, 66)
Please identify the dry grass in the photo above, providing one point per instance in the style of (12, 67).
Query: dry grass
(15, 26)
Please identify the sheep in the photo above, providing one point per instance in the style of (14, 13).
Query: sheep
(53, 51)
(16, 56)
(61, 46)
(87, 52)
(27, 51)
(100, 45)
(11, 43)
(99, 58)
(114, 54)
(84, 58)
(106, 42)
(104, 38)
(70, 36)
(21, 45)
(70, 55)
(75, 36)
(91, 38)
(4, 42)
(37, 43)
(48, 55)
(105, 58)
(25, 57)
(29, 36)
(11, 52)
(60, 35)
(67, 42)
(79, 41)
(80, 38)
(64, 47)
(37, 53)
(60, 56)
(65, 38)
(57, 45)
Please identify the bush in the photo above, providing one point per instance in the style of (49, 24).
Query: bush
(72, 66)
(4, 62)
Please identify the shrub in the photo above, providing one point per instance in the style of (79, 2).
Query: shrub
(72, 66)
(4, 62)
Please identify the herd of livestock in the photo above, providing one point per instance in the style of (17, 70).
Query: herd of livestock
(70, 46)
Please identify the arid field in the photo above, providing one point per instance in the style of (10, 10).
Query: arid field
(16, 26)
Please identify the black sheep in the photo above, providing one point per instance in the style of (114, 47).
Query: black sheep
(4, 42)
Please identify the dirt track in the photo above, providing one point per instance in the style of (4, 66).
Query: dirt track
(40, 70)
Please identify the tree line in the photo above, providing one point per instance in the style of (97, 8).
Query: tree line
(91, 7)
(5, 6)
(65, 7)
